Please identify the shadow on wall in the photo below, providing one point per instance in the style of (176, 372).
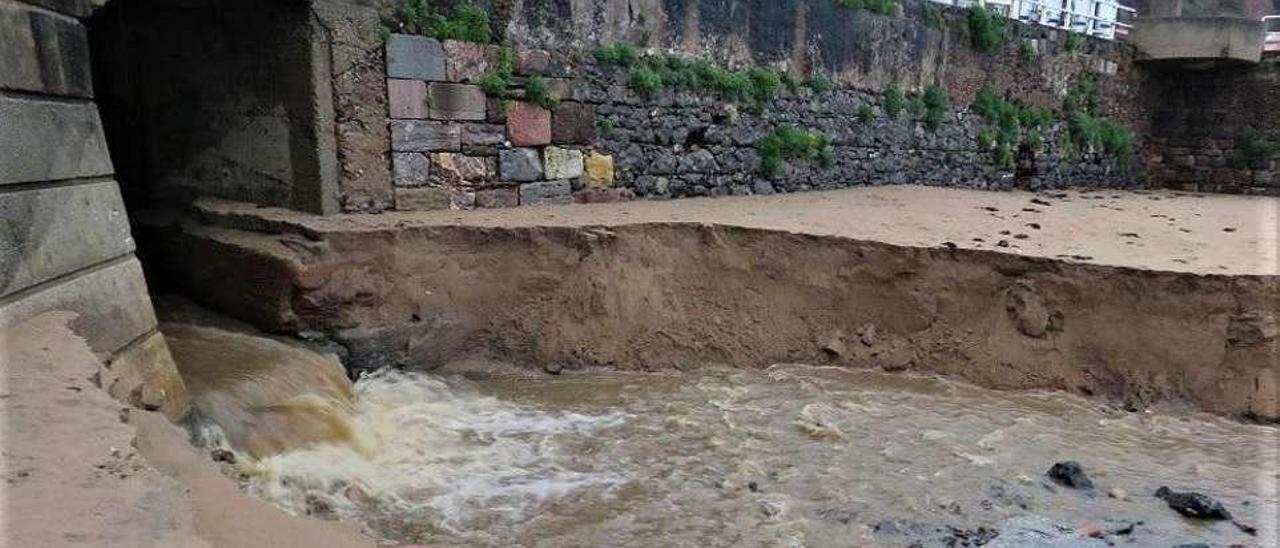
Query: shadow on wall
(215, 98)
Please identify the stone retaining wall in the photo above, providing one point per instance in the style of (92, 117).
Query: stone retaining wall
(453, 147)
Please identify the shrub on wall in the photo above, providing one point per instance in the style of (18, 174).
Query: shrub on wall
(619, 54)
(788, 143)
(467, 22)
(936, 106)
(986, 29)
(892, 100)
(1254, 146)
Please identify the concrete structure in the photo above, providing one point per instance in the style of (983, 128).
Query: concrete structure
(1200, 39)
(64, 235)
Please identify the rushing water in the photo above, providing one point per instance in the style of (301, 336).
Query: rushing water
(790, 456)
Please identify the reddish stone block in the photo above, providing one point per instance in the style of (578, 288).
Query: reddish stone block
(498, 197)
(467, 61)
(407, 98)
(452, 169)
(573, 123)
(528, 124)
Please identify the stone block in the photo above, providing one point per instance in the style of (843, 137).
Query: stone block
(455, 101)
(462, 199)
(410, 169)
(144, 375)
(415, 57)
(528, 124)
(562, 163)
(520, 164)
(599, 170)
(484, 134)
(423, 136)
(43, 53)
(532, 61)
(44, 140)
(495, 111)
(468, 61)
(50, 232)
(452, 169)
(480, 150)
(111, 302)
(407, 98)
(601, 195)
(546, 193)
(573, 123)
(498, 197)
(422, 199)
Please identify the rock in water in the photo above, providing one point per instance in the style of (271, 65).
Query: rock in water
(1070, 474)
(1193, 505)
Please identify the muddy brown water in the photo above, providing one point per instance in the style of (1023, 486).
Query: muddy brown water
(793, 455)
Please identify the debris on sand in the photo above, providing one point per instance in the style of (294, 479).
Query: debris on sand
(1070, 474)
(1193, 505)
(1038, 201)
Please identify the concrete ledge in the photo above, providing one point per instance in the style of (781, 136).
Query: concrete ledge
(112, 302)
(43, 140)
(43, 52)
(1199, 39)
(50, 232)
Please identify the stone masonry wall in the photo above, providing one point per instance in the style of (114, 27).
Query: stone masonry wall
(1198, 119)
(453, 147)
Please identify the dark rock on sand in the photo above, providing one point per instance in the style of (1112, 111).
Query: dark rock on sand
(1193, 505)
(1070, 474)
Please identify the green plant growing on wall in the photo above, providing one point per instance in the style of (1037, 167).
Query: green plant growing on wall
(915, 106)
(619, 54)
(986, 29)
(936, 106)
(1082, 94)
(645, 81)
(882, 7)
(468, 22)
(820, 84)
(892, 100)
(866, 114)
(1074, 42)
(1254, 146)
(765, 83)
(788, 143)
(1027, 50)
(495, 84)
(537, 91)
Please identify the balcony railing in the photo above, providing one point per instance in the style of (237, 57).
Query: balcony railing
(1271, 44)
(1106, 19)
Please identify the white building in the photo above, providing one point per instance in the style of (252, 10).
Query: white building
(1105, 19)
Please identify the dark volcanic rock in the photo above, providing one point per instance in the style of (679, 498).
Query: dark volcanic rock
(1193, 505)
(1070, 474)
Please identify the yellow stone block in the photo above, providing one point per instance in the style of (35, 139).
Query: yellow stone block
(599, 170)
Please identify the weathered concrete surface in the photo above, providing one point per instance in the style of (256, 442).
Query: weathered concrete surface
(44, 140)
(42, 52)
(52, 231)
(1225, 39)
(111, 301)
(893, 276)
(145, 376)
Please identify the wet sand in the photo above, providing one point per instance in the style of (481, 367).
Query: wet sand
(1156, 230)
(82, 469)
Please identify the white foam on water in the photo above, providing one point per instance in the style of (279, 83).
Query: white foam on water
(436, 449)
